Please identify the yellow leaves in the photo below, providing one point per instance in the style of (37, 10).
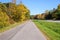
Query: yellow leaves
(23, 11)
(40, 16)
(3, 16)
(11, 13)
(4, 19)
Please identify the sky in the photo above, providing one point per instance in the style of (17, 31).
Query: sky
(37, 6)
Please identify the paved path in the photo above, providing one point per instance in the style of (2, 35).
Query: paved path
(27, 31)
(58, 21)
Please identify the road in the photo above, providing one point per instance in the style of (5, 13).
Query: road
(58, 21)
(25, 31)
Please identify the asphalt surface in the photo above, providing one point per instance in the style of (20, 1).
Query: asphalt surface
(25, 31)
(58, 21)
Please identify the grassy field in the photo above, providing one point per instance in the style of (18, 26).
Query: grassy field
(50, 29)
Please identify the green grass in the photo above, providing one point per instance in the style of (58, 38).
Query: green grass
(9, 27)
(51, 29)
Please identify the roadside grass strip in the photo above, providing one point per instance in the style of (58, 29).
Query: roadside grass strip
(9, 27)
(51, 29)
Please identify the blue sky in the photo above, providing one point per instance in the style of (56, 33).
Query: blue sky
(38, 6)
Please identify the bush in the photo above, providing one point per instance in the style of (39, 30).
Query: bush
(4, 20)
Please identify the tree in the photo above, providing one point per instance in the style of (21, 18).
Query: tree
(4, 20)
(58, 12)
(23, 11)
(11, 13)
(3, 7)
(58, 7)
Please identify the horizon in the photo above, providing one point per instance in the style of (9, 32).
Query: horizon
(39, 6)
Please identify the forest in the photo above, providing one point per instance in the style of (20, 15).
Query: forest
(53, 14)
(11, 13)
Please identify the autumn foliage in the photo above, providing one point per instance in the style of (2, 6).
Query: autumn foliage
(53, 14)
(11, 13)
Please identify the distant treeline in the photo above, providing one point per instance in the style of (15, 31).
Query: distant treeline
(53, 14)
(11, 13)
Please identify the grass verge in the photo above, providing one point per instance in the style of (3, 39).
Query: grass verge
(50, 29)
(9, 27)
